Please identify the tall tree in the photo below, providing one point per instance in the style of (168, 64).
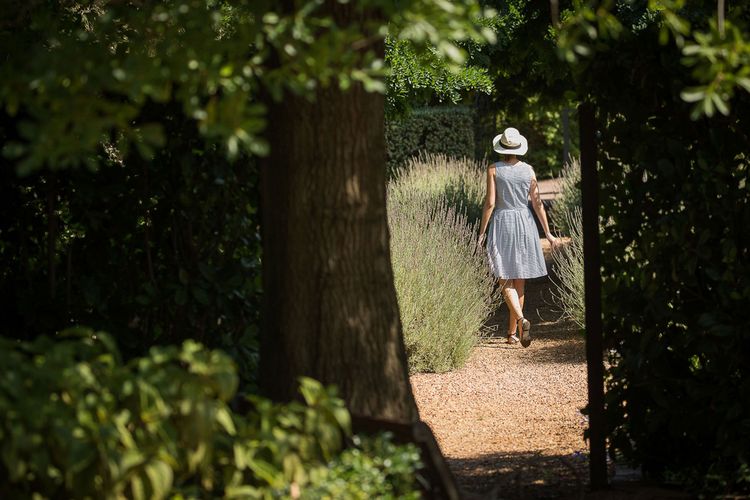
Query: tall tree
(331, 310)
(330, 303)
(88, 70)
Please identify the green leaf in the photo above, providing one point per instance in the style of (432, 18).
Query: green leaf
(451, 51)
(265, 471)
(243, 492)
(343, 419)
(582, 49)
(160, 475)
(310, 389)
(693, 94)
(225, 420)
(744, 82)
(137, 488)
(720, 104)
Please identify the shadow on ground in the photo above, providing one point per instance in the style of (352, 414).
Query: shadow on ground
(522, 476)
(533, 474)
(538, 474)
(526, 476)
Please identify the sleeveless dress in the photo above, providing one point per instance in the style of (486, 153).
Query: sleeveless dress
(513, 245)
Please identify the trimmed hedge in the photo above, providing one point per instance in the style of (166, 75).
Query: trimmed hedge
(447, 130)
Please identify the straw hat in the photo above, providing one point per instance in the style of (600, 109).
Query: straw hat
(510, 142)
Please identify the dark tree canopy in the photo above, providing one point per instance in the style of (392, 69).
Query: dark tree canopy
(131, 135)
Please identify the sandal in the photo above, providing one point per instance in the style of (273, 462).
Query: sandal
(512, 339)
(525, 332)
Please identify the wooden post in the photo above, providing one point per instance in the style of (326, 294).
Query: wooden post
(592, 281)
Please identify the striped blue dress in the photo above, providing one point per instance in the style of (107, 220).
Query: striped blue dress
(513, 245)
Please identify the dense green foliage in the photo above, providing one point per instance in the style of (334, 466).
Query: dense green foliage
(153, 252)
(531, 86)
(442, 278)
(445, 130)
(675, 250)
(156, 240)
(77, 422)
(87, 70)
(422, 79)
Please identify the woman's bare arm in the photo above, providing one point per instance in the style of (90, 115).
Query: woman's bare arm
(489, 202)
(536, 202)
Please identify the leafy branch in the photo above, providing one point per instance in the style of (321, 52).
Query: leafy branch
(719, 57)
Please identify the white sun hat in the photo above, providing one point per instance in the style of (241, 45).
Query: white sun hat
(510, 142)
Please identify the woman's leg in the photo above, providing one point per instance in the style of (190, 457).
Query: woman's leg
(512, 299)
(523, 325)
(520, 286)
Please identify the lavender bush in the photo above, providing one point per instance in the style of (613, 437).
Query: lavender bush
(568, 289)
(570, 196)
(442, 279)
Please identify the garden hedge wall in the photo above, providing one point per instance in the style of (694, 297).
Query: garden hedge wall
(447, 130)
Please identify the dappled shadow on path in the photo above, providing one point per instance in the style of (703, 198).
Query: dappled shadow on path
(536, 474)
(509, 421)
(540, 475)
(527, 475)
(571, 351)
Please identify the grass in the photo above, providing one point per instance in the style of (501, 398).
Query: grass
(442, 278)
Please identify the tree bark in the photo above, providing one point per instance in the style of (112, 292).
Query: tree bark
(330, 308)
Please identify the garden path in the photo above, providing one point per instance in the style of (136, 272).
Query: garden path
(509, 421)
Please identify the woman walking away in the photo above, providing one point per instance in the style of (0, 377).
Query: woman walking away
(513, 245)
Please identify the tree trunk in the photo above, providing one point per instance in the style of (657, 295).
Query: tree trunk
(330, 309)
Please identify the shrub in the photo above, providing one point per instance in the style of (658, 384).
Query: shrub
(374, 468)
(568, 290)
(442, 279)
(675, 193)
(570, 197)
(154, 253)
(75, 422)
(438, 130)
(458, 181)
(416, 78)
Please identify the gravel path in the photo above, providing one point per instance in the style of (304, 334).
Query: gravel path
(509, 421)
